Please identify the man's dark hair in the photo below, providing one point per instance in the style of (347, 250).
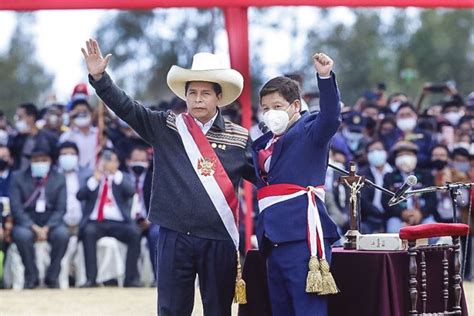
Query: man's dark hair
(286, 87)
(440, 146)
(68, 144)
(107, 153)
(81, 101)
(215, 86)
(136, 147)
(373, 141)
(407, 105)
(460, 152)
(30, 109)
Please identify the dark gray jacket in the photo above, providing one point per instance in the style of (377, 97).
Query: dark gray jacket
(23, 186)
(178, 199)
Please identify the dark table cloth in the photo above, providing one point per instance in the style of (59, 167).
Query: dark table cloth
(371, 283)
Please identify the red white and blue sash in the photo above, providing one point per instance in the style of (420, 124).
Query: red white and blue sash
(276, 193)
(210, 171)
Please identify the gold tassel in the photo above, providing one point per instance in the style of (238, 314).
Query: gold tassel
(314, 279)
(240, 296)
(328, 284)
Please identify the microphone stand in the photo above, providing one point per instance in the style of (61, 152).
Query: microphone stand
(453, 189)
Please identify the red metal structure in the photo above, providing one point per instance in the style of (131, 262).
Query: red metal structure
(235, 12)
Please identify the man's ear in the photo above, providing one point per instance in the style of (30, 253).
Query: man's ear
(298, 105)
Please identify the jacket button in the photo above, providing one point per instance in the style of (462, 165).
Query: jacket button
(188, 233)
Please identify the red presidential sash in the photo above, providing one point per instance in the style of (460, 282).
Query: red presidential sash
(211, 173)
(319, 279)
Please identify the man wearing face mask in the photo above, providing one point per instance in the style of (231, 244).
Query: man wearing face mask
(452, 112)
(418, 209)
(83, 133)
(54, 121)
(38, 204)
(294, 230)
(28, 135)
(372, 211)
(354, 133)
(443, 174)
(460, 160)
(407, 130)
(140, 172)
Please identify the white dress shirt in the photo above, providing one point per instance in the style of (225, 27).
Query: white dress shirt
(73, 210)
(206, 127)
(111, 210)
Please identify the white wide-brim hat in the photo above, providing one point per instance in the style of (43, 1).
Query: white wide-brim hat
(207, 67)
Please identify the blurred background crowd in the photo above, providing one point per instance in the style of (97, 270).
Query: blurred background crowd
(72, 172)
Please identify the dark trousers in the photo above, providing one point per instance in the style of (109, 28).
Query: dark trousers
(151, 235)
(127, 233)
(287, 268)
(180, 257)
(24, 238)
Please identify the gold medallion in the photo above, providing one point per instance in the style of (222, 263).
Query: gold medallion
(206, 166)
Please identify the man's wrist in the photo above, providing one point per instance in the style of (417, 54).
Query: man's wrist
(97, 77)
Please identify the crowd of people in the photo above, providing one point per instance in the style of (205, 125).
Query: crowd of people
(64, 173)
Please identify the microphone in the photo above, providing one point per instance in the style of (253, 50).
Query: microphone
(263, 127)
(409, 183)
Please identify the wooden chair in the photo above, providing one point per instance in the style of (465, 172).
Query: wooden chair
(412, 233)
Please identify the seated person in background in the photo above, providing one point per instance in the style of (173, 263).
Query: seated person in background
(141, 174)
(107, 198)
(372, 211)
(443, 173)
(68, 163)
(38, 204)
(418, 209)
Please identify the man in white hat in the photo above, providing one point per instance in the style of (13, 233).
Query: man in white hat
(199, 162)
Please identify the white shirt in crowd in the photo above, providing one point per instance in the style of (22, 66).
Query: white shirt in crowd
(73, 210)
(378, 179)
(111, 210)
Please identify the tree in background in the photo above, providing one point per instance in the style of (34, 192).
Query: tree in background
(145, 44)
(22, 78)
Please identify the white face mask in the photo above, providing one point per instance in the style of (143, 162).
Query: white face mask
(3, 137)
(82, 121)
(377, 158)
(21, 126)
(40, 169)
(453, 117)
(68, 162)
(277, 120)
(394, 106)
(406, 163)
(406, 124)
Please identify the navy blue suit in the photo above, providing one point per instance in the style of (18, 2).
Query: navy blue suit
(299, 157)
